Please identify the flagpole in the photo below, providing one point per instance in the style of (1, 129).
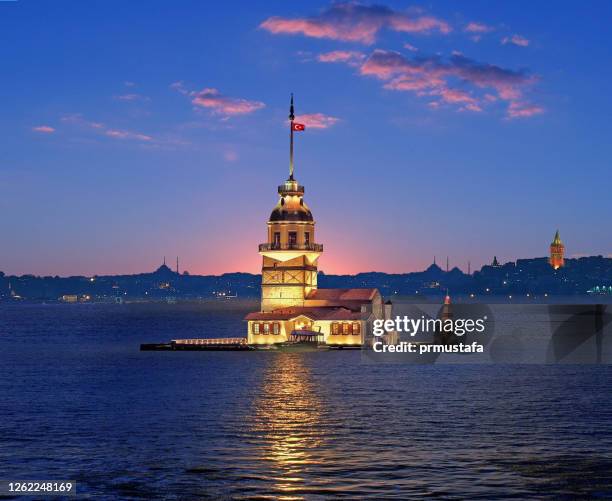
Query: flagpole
(291, 118)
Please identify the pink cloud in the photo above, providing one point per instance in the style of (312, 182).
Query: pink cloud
(211, 98)
(471, 107)
(218, 103)
(406, 24)
(518, 109)
(316, 120)
(516, 40)
(455, 96)
(179, 87)
(448, 95)
(385, 65)
(342, 56)
(78, 120)
(415, 83)
(482, 83)
(45, 129)
(125, 134)
(132, 97)
(478, 28)
(353, 22)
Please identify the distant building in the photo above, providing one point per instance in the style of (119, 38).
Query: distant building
(495, 262)
(75, 298)
(557, 251)
(292, 307)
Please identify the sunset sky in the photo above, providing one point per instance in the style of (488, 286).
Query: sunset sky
(134, 130)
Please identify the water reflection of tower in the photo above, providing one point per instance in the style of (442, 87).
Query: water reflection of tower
(287, 420)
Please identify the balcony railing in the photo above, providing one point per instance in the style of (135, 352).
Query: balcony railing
(283, 188)
(304, 247)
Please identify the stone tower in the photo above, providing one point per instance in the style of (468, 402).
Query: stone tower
(557, 251)
(290, 255)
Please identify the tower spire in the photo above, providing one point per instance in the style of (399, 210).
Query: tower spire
(291, 119)
(557, 251)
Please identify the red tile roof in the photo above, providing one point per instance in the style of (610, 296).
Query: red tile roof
(314, 313)
(342, 294)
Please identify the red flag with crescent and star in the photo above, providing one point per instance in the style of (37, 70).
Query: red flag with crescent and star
(298, 127)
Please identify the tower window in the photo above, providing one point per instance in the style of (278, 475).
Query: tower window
(277, 239)
(335, 328)
(346, 329)
(307, 238)
(266, 328)
(292, 238)
(276, 328)
(255, 328)
(356, 328)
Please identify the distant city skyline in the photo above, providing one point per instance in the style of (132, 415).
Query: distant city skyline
(435, 129)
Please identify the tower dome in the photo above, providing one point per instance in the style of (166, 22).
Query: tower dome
(291, 206)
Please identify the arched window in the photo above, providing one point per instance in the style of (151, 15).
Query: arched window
(266, 328)
(335, 328)
(276, 328)
(256, 328)
(346, 328)
(356, 328)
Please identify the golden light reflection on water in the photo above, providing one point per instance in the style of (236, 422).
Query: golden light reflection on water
(287, 419)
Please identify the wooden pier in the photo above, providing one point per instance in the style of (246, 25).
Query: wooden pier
(200, 344)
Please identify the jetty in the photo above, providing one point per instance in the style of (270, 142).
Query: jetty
(200, 344)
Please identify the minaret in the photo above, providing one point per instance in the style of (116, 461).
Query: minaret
(557, 250)
(289, 268)
(177, 268)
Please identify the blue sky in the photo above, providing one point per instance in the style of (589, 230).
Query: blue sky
(135, 130)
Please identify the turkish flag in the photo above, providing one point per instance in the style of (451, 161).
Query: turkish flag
(298, 127)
